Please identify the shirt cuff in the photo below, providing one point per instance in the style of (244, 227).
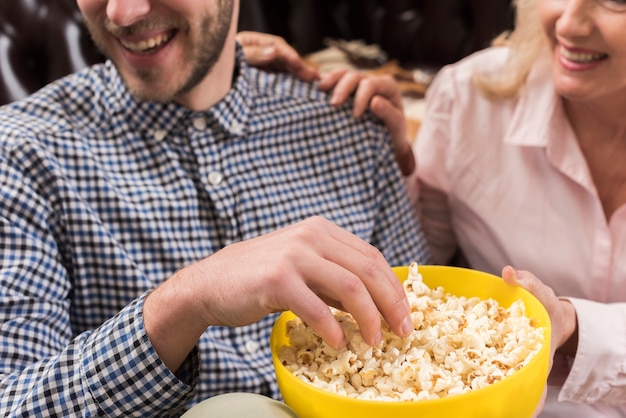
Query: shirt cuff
(125, 375)
(598, 372)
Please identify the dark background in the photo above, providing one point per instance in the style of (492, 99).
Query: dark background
(42, 40)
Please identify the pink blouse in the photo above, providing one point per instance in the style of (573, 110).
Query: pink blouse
(506, 181)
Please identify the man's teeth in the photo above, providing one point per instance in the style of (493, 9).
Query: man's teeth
(147, 44)
(580, 57)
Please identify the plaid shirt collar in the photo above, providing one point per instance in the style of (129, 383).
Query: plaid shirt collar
(232, 113)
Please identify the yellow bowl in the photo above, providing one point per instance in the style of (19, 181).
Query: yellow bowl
(515, 396)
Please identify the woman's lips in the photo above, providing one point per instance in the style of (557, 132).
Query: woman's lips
(581, 56)
(579, 59)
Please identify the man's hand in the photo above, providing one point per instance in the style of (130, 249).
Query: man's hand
(303, 268)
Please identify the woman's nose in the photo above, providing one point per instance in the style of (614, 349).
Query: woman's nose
(576, 19)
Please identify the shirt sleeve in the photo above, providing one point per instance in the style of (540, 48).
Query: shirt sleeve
(429, 181)
(48, 369)
(598, 372)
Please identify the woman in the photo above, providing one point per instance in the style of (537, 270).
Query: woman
(520, 163)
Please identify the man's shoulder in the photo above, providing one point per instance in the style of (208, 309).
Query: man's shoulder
(285, 87)
(57, 106)
(287, 96)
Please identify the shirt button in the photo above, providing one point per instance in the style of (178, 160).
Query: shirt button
(215, 178)
(236, 128)
(159, 134)
(252, 346)
(199, 123)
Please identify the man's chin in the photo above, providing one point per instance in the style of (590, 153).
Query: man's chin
(149, 91)
(150, 95)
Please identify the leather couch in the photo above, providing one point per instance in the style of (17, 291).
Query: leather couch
(42, 40)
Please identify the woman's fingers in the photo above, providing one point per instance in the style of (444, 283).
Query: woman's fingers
(382, 95)
(396, 124)
(378, 92)
(328, 80)
(274, 53)
(531, 283)
(345, 85)
(562, 313)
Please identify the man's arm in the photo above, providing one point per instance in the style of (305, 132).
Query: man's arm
(47, 366)
(129, 364)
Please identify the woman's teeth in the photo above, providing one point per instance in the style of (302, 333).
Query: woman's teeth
(581, 57)
(147, 45)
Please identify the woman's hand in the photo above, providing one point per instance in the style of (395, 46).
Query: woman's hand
(273, 53)
(381, 94)
(562, 314)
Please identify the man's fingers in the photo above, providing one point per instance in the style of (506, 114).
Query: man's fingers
(343, 289)
(370, 267)
(316, 314)
(349, 273)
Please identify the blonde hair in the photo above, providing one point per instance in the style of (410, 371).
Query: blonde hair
(525, 42)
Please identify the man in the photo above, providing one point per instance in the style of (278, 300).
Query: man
(159, 209)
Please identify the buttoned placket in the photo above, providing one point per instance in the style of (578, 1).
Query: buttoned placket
(215, 177)
(206, 145)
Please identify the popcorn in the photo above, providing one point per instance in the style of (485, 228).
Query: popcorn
(459, 344)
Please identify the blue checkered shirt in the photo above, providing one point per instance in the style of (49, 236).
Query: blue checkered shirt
(103, 197)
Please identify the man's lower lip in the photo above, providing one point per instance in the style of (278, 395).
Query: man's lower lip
(142, 60)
